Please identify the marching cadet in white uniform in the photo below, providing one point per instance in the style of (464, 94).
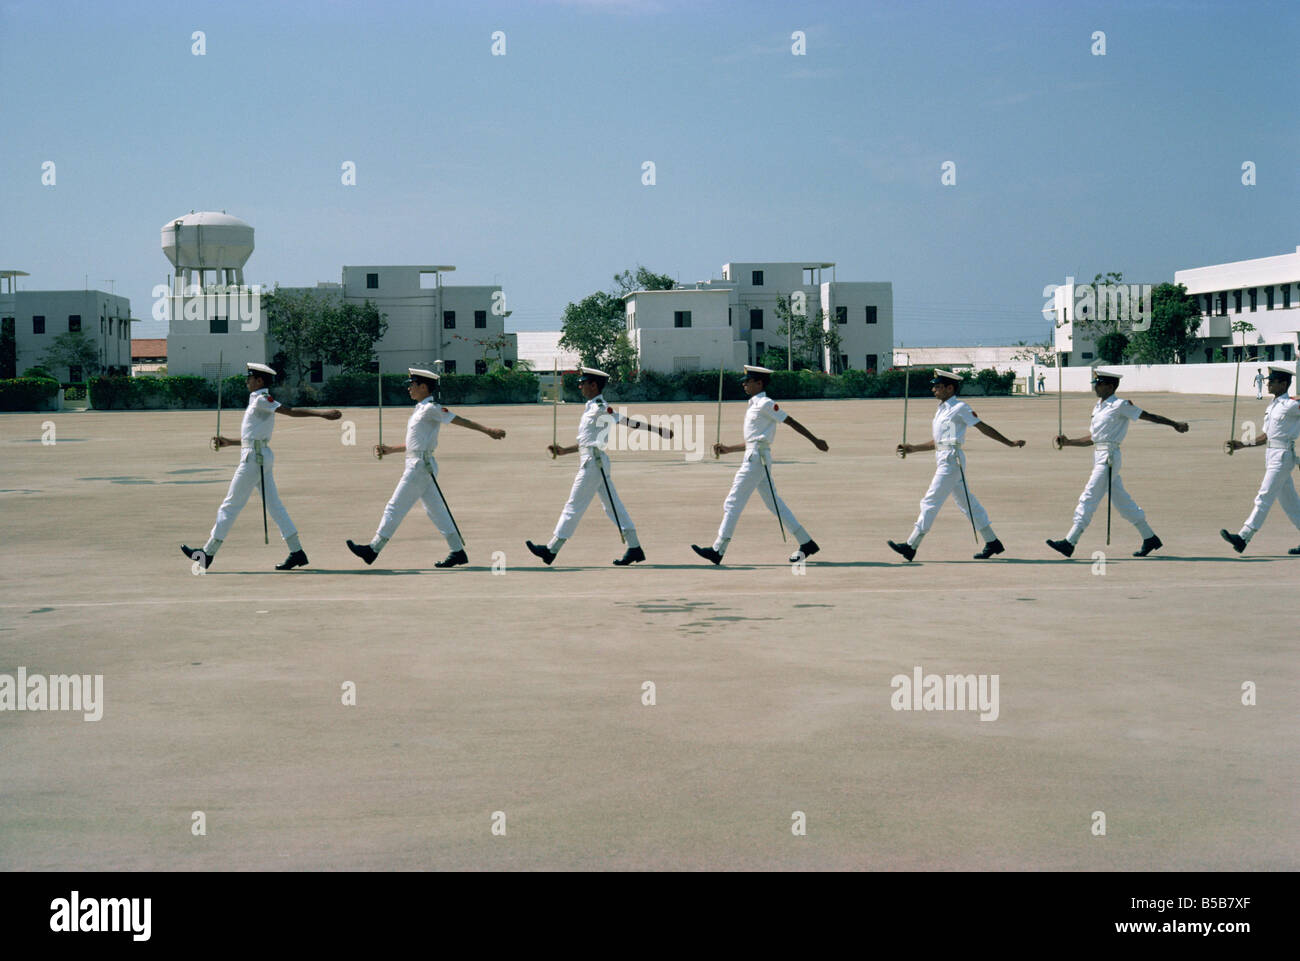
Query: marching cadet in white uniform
(761, 419)
(949, 432)
(256, 463)
(1281, 429)
(419, 480)
(1110, 421)
(593, 479)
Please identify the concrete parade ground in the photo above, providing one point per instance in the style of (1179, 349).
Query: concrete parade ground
(516, 698)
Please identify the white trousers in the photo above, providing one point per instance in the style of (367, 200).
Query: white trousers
(246, 480)
(1278, 485)
(947, 482)
(417, 485)
(1094, 492)
(750, 476)
(586, 485)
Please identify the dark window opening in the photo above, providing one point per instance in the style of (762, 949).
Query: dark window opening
(871, 315)
(681, 318)
(317, 371)
(74, 323)
(1236, 301)
(756, 319)
(480, 320)
(218, 325)
(1254, 299)
(756, 278)
(873, 362)
(372, 281)
(841, 315)
(449, 320)
(480, 366)
(449, 366)
(38, 324)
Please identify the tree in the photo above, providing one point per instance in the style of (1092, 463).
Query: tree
(592, 327)
(807, 338)
(642, 279)
(1099, 321)
(308, 328)
(1111, 347)
(622, 358)
(73, 349)
(1171, 335)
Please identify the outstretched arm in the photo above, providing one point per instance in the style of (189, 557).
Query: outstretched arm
(1084, 441)
(989, 431)
(801, 429)
(635, 424)
(495, 433)
(916, 448)
(1180, 426)
(308, 412)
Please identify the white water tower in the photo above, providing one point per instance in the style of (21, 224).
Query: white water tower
(208, 241)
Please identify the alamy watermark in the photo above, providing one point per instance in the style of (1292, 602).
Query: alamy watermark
(681, 432)
(1094, 303)
(232, 302)
(946, 692)
(55, 692)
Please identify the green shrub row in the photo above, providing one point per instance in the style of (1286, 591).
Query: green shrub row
(27, 393)
(788, 385)
(501, 386)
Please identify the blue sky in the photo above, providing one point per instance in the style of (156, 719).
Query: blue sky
(525, 169)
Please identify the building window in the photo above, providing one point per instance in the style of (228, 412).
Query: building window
(449, 366)
(101, 327)
(218, 325)
(1236, 301)
(1268, 349)
(1286, 353)
(873, 362)
(841, 315)
(1223, 303)
(317, 371)
(480, 366)
(756, 278)
(1236, 355)
(844, 361)
(1268, 292)
(729, 312)
(372, 281)
(449, 320)
(480, 320)
(681, 318)
(871, 315)
(1254, 299)
(1086, 355)
(760, 349)
(1209, 304)
(38, 324)
(74, 374)
(74, 323)
(1209, 355)
(756, 319)
(1286, 296)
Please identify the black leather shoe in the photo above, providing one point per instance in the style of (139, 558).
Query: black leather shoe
(633, 555)
(804, 552)
(1238, 544)
(454, 559)
(907, 550)
(1150, 544)
(296, 559)
(542, 551)
(1062, 546)
(990, 548)
(363, 551)
(708, 553)
(189, 552)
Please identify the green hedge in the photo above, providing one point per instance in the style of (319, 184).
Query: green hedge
(787, 385)
(145, 393)
(27, 393)
(499, 387)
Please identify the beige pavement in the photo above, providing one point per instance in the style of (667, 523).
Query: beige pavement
(521, 692)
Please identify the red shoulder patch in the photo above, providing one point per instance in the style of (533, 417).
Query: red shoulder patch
(609, 410)
(446, 411)
(776, 406)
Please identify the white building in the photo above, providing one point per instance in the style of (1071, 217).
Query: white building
(684, 328)
(212, 315)
(1264, 292)
(36, 317)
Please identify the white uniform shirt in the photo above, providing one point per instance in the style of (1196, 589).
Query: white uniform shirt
(259, 418)
(761, 419)
(597, 419)
(1282, 421)
(951, 420)
(1110, 419)
(422, 428)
